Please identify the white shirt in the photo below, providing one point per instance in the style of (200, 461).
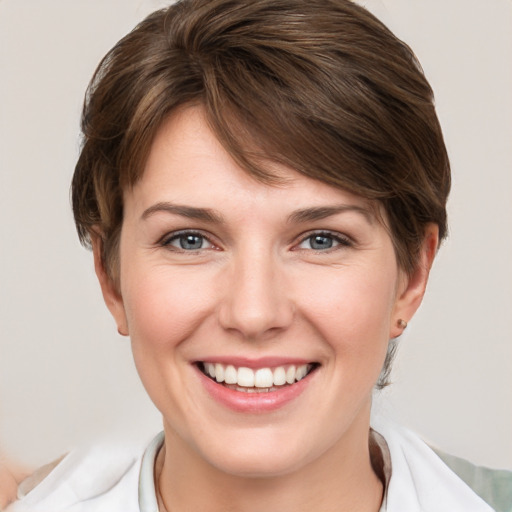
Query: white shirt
(114, 480)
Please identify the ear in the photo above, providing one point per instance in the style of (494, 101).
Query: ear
(111, 294)
(411, 289)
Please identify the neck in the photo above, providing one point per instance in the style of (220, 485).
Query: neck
(340, 480)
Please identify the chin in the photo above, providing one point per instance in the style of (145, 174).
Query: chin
(259, 465)
(260, 456)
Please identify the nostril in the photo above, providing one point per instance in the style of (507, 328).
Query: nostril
(253, 320)
(255, 301)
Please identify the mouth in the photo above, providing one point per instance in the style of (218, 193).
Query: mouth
(256, 380)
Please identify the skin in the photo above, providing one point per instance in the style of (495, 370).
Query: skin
(257, 287)
(10, 476)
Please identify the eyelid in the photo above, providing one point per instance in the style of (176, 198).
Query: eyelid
(165, 240)
(343, 240)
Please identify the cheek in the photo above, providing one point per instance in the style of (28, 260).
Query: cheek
(164, 308)
(352, 310)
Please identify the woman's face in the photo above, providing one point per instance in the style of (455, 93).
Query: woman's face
(258, 285)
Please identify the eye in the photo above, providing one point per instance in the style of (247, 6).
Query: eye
(323, 241)
(187, 241)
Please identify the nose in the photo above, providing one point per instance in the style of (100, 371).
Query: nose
(256, 302)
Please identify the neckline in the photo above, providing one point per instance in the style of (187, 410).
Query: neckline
(147, 494)
(147, 490)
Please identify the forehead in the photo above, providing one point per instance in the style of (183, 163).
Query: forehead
(188, 164)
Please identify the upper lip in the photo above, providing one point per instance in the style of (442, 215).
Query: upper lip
(254, 363)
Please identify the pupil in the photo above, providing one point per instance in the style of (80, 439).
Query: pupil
(191, 242)
(321, 242)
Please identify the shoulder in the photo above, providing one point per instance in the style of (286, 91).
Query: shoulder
(421, 481)
(493, 485)
(101, 477)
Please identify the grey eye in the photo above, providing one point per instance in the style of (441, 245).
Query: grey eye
(189, 242)
(324, 241)
(320, 242)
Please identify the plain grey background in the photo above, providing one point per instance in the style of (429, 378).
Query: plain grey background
(66, 377)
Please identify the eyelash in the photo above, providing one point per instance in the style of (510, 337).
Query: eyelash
(340, 240)
(177, 235)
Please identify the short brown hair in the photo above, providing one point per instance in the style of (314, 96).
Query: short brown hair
(320, 86)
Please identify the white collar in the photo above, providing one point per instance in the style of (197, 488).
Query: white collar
(420, 481)
(147, 496)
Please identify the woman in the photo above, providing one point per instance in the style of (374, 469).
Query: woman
(263, 185)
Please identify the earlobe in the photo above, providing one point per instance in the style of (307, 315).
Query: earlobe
(111, 294)
(411, 293)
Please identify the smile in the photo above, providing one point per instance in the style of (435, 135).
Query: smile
(258, 380)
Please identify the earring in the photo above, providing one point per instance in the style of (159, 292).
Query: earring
(401, 323)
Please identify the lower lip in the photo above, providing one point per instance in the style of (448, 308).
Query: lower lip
(255, 403)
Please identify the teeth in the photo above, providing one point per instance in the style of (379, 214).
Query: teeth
(262, 378)
(245, 377)
(230, 375)
(210, 369)
(290, 375)
(301, 372)
(219, 373)
(279, 376)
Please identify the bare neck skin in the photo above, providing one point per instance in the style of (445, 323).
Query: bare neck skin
(340, 480)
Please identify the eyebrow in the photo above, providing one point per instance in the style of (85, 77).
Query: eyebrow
(296, 217)
(190, 212)
(322, 212)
